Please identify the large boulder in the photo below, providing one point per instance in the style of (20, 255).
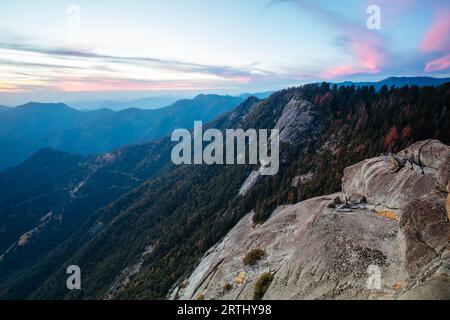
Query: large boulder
(392, 181)
(429, 153)
(380, 182)
(389, 240)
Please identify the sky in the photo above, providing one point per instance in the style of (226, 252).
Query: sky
(58, 50)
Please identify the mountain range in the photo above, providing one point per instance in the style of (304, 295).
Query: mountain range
(149, 103)
(141, 103)
(28, 128)
(400, 82)
(140, 227)
(259, 95)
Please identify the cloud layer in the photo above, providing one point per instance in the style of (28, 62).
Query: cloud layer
(334, 44)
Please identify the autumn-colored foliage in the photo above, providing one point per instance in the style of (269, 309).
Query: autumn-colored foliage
(360, 148)
(406, 133)
(391, 138)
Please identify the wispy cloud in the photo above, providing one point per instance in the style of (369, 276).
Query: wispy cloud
(438, 64)
(288, 43)
(437, 41)
(367, 47)
(437, 38)
(92, 71)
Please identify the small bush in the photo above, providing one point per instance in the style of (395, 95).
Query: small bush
(253, 257)
(263, 211)
(227, 287)
(241, 277)
(261, 285)
(201, 297)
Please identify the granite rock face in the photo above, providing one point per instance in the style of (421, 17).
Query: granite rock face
(298, 118)
(392, 181)
(386, 238)
(298, 122)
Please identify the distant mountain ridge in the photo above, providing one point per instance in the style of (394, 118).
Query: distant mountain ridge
(259, 95)
(3, 108)
(30, 127)
(149, 103)
(399, 82)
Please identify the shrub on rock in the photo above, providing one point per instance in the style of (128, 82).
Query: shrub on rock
(253, 257)
(261, 285)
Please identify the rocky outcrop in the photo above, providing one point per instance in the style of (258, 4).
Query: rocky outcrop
(385, 236)
(392, 181)
(413, 182)
(298, 122)
(250, 181)
(298, 118)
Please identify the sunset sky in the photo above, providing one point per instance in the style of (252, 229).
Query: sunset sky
(142, 48)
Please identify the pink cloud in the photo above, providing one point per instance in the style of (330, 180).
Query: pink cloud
(86, 85)
(439, 64)
(241, 79)
(339, 71)
(367, 47)
(368, 57)
(437, 37)
(90, 84)
(437, 40)
(9, 88)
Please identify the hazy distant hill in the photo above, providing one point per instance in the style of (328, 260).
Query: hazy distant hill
(400, 82)
(33, 126)
(142, 103)
(33, 120)
(259, 95)
(138, 126)
(3, 108)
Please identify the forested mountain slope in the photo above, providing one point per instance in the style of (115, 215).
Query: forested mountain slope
(153, 236)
